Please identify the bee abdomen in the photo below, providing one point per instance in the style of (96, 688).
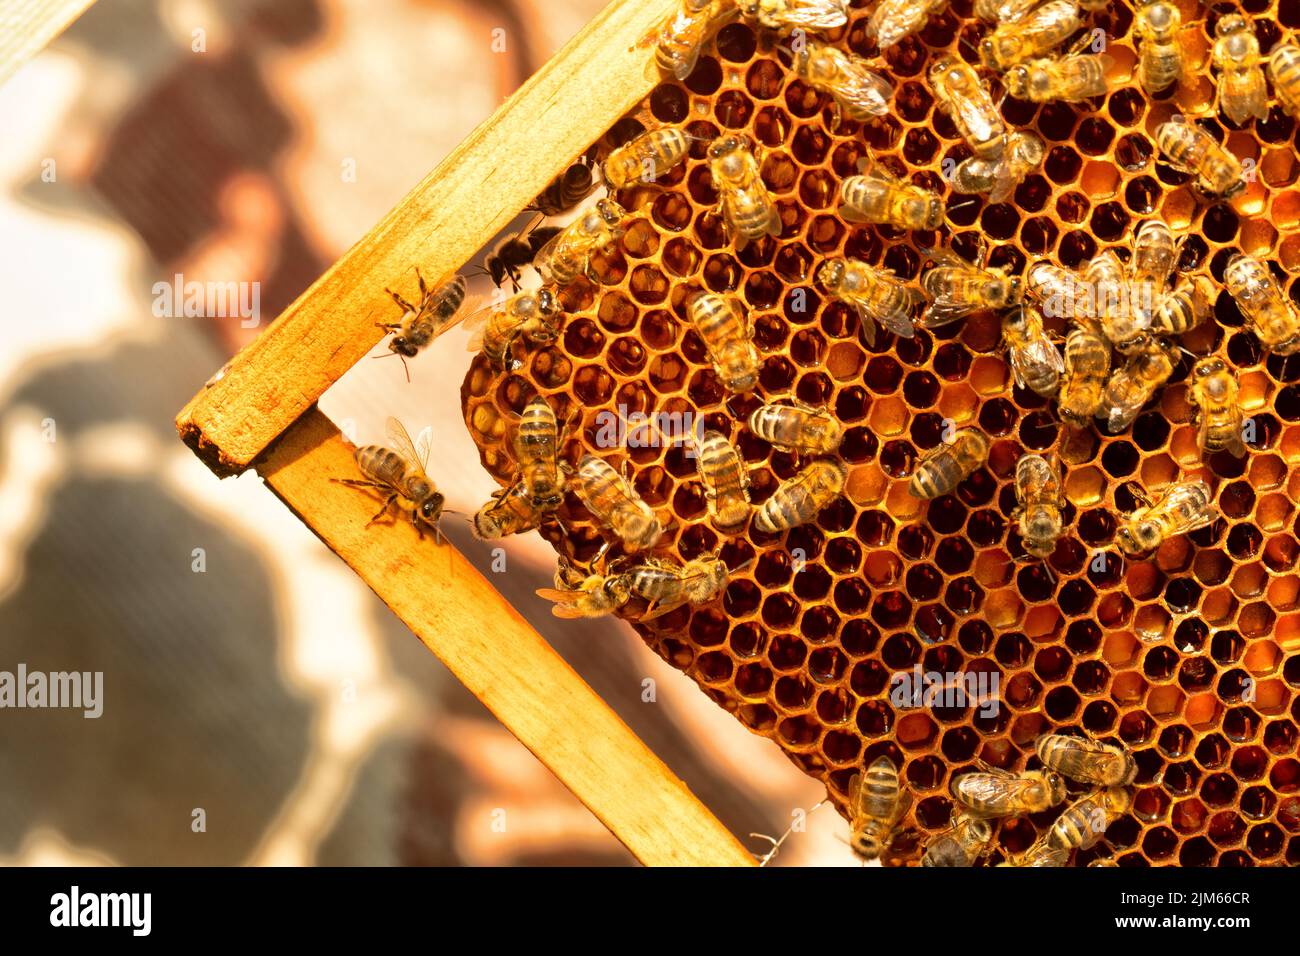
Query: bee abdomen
(382, 464)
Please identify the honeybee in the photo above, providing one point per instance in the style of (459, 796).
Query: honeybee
(1087, 761)
(878, 196)
(586, 595)
(1023, 153)
(567, 189)
(965, 842)
(1040, 854)
(797, 14)
(1083, 822)
(1132, 386)
(1154, 254)
(797, 500)
(1284, 68)
(535, 315)
(1242, 90)
(1035, 362)
(949, 463)
(646, 158)
(1045, 29)
(1158, 24)
(515, 251)
(1003, 11)
(957, 287)
(668, 586)
(743, 199)
(1182, 507)
(1038, 505)
(722, 324)
(568, 254)
(510, 511)
(961, 94)
(1123, 325)
(1192, 150)
(1267, 311)
(614, 503)
(1000, 793)
(1071, 78)
(876, 294)
(894, 19)
(1087, 360)
(798, 427)
(877, 801)
(679, 39)
(399, 471)
(1214, 391)
(856, 90)
(421, 324)
(536, 447)
(1060, 292)
(726, 481)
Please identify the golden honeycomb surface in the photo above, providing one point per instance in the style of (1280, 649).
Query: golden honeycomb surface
(1190, 657)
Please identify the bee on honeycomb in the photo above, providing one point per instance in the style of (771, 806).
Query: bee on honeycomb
(1188, 659)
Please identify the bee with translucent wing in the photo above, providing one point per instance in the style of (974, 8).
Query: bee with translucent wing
(1086, 760)
(1192, 150)
(1216, 395)
(999, 177)
(877, 196)
(1133, 385)
(1087, 360)
(876, 294)
(646, 158)
(1268, 312)
(1035, 362)
(1284, 68)
(569, 253)
(796, 14)
(679, 39)
(999, 793)
(421, 324)
(877, 802)
(578, 595)
(726, 481)
(667, 586)
(614, 503)
(894, 19)
(1242, 91)
(728, 336)
(797, 500)
(856, 90)
(797, 427)
(1070, 78)
(1085, 821)
(957, 287)
(510, 511)
(744, 203)
(948, 464)
(963, 844)
(1039, 500)
(534, 315)
(1182, 507)
(1045, 29)
(960, 93)
(1163, 59)
(400, 472)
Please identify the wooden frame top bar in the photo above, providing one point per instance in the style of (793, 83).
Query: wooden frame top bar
(470, 197)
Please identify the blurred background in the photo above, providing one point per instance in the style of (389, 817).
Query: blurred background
(255, 142)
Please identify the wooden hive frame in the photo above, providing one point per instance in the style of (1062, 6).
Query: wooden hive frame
(259, 412)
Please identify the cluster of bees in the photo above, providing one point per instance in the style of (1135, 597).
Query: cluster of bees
(1122, 319)
(878, 800)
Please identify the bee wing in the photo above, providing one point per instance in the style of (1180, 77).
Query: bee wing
(976, 788)
(898, 323)
(400, 442)
(660, 611)
(1039, 351)
(477, 310)
(816, 15)
(1189, 496)
(868, 323)
(875, 182)
(866, 90)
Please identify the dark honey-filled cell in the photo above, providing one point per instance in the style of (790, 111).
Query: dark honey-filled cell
(1187, 654)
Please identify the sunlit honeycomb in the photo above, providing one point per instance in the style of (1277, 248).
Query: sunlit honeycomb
(1191, 658)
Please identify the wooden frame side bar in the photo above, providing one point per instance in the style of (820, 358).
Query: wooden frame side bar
(485, 182)
(29, 26)
(461, 618)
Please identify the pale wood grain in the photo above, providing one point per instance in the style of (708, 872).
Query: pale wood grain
(485, 642)
(460, 206)
(28, 26)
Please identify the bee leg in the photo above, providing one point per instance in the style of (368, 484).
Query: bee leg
(424, 289)
(357, 482)
(402, 303)
(382, 511)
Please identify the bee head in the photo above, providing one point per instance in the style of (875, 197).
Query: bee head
(486, 526)
(1138, 537)
(610, 211)
(431, 507)
(1017, 81)
(1229, 24)
(399, 346)
(865, 845)
(725, 146)
(831, 274)
(547, 302)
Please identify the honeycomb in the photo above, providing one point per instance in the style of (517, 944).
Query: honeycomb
(1190, 658)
